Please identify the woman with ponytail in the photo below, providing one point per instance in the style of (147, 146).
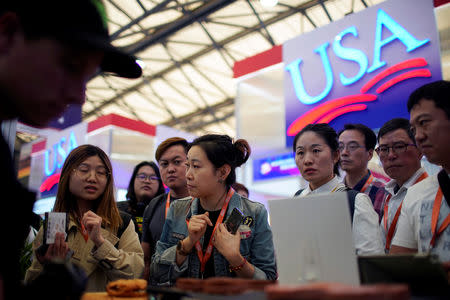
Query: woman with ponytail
(195, 242)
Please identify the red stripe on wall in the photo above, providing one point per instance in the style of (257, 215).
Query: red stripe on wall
(440, 2)
(119, 121)
(38, 146)
(262, 60)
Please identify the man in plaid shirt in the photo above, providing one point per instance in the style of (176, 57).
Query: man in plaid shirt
(356, 145)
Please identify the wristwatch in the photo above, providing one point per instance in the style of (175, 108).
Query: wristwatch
(181, 250)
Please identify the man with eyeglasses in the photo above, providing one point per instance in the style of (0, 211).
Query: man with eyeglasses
(356, 146)
(171, 157)
(425, 216)
(400, 158)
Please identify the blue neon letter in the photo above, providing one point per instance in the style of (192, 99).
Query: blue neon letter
(72, 142)
(294, 70)
(350, 54)
(48, 171)
(61, 152)
(398, 32)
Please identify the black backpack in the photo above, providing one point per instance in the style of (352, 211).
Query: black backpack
(126, 219)
(351, 195)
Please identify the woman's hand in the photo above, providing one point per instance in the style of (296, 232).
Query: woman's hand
(93, 224)
(227, 244)
(58, 250)
(197, 226)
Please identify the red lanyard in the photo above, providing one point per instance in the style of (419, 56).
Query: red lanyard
(204, 258)
(368, 181)
(435, 217)
(390, 232)
(167, 204)
(84, 232)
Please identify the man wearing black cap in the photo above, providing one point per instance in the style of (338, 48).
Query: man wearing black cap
(49, 49)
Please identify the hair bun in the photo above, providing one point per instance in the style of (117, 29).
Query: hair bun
(243, 151)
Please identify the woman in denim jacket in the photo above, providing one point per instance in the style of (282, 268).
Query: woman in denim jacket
(194, 242)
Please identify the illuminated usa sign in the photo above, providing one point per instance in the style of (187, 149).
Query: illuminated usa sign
(58, 148)
(362, 68)
(55, 156)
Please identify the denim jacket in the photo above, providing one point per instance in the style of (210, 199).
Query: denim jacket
(256, 243)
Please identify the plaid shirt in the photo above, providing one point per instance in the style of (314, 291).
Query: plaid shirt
(375, 190)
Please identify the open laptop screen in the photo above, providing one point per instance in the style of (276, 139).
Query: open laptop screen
(313, 239)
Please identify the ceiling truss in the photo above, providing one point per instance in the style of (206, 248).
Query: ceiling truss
(190, 106)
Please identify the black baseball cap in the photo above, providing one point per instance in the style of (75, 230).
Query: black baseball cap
(75, 22)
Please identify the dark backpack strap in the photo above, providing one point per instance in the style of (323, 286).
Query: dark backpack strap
(152, 207)
(298, 192)
(444, 183)
(351, 195)
(126, 219)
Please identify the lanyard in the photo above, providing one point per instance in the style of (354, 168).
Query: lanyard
(368, 181)
(83, 230)
(334, 189)
(167, 204)
(391, 230)
(205, 257)
(435, 217)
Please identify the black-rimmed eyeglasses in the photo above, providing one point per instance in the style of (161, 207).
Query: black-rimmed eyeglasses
(143, 177)
(352, 146)
(397, 148)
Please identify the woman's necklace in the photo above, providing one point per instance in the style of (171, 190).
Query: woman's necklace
(220, 200)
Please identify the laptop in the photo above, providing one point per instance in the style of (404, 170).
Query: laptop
(313, 239)
(423, 272)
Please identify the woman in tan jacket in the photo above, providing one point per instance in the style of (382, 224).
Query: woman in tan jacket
(102, 245)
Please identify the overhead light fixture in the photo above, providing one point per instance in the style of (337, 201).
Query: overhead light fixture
(268, 3)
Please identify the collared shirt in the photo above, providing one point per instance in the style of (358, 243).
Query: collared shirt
(414, 224)
(256, 243)
(375, 190)
(397, 198)
(365, 228)
(334, 185)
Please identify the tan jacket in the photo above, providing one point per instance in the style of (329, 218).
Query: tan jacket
(105, 264)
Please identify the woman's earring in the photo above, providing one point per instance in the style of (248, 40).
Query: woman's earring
(220, 180)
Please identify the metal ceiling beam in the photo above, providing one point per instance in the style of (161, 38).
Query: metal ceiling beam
(202, 124)
(140, 18)
(188, 79)
(161, 99)
(226, 24)
(287, 13)
(309, 19)
(188, 117)
(162, 34)
(303, 12)
(219, 88)
(267, 36)
(219, 48)
(140, 4)
(326, 11)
